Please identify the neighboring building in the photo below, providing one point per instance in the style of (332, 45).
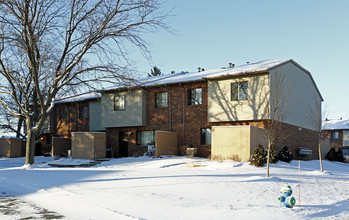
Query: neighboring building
(337, 133)
(191, 103)
(77, 113)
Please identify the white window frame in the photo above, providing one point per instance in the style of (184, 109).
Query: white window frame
(195, 96)
(119, 102)
(161, 99)
(239, 92)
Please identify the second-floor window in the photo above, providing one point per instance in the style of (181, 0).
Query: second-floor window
(334, 135)
(239, 91)
(119, 103)
(161, 99)
(83, 112)
(195, 96)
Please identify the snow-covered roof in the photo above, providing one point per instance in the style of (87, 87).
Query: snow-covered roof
(255, 67)
(335, 124)
(78, 97)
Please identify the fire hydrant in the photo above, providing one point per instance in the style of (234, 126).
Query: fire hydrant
(286, 200)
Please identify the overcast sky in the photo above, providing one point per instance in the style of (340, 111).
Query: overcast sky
(211, 34)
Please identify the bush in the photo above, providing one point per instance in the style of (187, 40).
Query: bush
(332, 155)
(285, 154)
(258, 158)
(274, 158)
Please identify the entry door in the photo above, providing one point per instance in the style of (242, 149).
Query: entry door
(123, 144)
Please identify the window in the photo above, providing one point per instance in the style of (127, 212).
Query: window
(145, 137)
(119, 103)
(83, 112)
(63, 113)
(195, 96)
(206, 136)
(334, 135)
(239, 91)
(161, 99)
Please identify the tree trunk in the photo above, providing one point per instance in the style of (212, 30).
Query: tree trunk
(30, 147)
(19, 127)
(319, 145)
(268, 159)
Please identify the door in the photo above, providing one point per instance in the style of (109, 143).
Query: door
(123, 144)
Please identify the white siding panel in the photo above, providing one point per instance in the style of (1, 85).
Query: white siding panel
(345, 138)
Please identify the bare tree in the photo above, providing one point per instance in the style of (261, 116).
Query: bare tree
(277, 112)
(315, 118)
(47, 47)
(11, 124)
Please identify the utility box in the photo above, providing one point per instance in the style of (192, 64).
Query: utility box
(236, 142)
(10, 147)
(89, 145)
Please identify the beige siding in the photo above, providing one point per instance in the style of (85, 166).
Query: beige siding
(10, 147)
(300, 94)
(133, 115)
(236, 142)
(222, 108)
(88, 145)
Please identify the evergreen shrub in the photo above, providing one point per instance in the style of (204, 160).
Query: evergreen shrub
(285, 154)
(258, 158)
(274, 158)
(332, 155)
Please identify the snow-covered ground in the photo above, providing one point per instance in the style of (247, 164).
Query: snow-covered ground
(177, 188)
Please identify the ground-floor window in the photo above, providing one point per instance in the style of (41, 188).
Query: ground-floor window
(205, 136)
(345, 152)
(145, 137)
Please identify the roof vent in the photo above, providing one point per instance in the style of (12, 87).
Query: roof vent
(199, 69)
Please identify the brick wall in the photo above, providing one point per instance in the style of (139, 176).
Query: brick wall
(334, 143)
(289, 135)
(187, 120)
(72, 123)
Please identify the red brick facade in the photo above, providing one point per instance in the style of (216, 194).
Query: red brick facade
(179, 116)
(188, 120)
(66, 119)
(334, 142)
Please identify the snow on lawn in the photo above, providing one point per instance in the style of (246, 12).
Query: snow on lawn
(179, 188)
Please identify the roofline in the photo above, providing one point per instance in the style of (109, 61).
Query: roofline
(250, 73)
(61, 101)
(150, 86)
(247, 73)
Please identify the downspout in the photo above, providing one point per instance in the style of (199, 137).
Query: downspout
(170, 110)
(184, 116)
